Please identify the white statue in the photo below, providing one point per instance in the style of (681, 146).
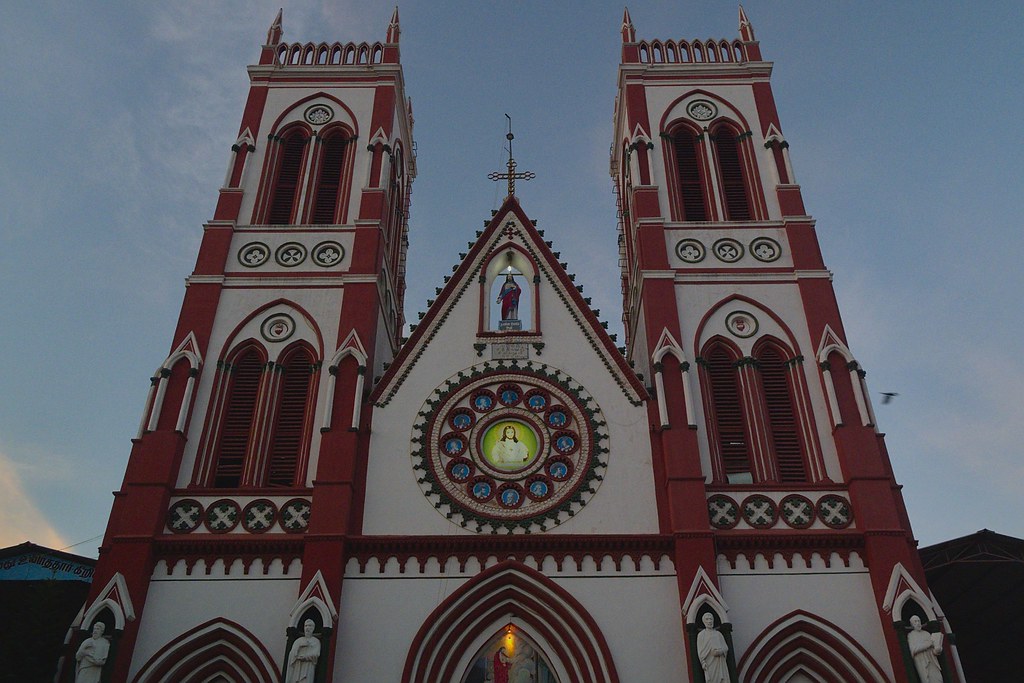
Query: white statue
(925, 647)
(92, 655)
(302, 659)
(712, 651)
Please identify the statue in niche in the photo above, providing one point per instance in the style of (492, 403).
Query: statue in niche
(925, 648)
(508, 297)
(92, 655)
(303, 656)
(713, 651)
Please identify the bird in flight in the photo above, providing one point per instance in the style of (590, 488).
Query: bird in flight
(887, 396)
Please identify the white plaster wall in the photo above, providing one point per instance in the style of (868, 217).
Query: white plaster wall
(623, 504)
(322, 305)
(694, 300)
(756, 600)
(174, 606)
(380, 617)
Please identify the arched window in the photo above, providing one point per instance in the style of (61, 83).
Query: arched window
(735, 197)
(329, 178)
(689, 177)
(728, 422)
(289, 429)
(233, 444)
(778, 398)
(286, 179)
(510, 656)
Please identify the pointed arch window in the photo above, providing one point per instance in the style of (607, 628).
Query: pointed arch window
(689, 175)
(290, 426)
(785, 437)
(734, 183)
(242, 393)
(329, 178)
(284, 193)
(730, 432)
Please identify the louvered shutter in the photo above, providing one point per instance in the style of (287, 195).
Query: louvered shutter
(329, 180)
(283, 200)
(729, 420)
(691, 189)
(237, 424)
(778, 398)
(734, 186)
(289, 427)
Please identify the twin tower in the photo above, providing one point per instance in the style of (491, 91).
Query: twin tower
(505, 495)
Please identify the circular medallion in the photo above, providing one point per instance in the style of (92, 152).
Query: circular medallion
(185, 516)
(760, 511)
(327, 254)
(690, 251)
(741, 324)
(319, 114)
(258, 516)
(701, 110)
(765, 249)
(797, 511)
(253, 254)
(835, 511)
(278, 327)
(295, 515)
(509, 448)
(290, 254)
(723, 511)
(727, 250)
(222, 516)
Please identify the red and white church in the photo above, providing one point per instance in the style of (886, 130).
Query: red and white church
(505, 496)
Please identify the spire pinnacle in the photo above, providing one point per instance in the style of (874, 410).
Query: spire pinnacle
(393, 29)
(512, 175)
(275, 31)
(746, 28)
(628, 30)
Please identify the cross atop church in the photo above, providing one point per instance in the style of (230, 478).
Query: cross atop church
(511, 175)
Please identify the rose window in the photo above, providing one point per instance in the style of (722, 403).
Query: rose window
(509, 448)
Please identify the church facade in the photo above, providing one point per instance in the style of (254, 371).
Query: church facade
(505, 495)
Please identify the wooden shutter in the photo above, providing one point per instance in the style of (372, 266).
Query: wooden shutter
(290, 425)
(731, 426)
(237, 425)
(282, 203)
(785, 436)
(734, 185)
(328, 185)
(691, 189)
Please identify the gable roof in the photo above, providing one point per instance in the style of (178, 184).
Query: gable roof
(499, 232)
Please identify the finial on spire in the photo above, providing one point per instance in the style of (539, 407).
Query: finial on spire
(746, 28)
(628, 30)
(275, 31)
(393, 30)
(511, 176)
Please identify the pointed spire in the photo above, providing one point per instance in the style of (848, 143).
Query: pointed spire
(275, 31)
(628, 30)
(746, 28)
(393, 29)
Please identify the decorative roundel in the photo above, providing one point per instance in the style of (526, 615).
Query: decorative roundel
(319, 114)
(185, 516)
(222, 516)
(258, 516)
(290, 254)
(797, 511)
(253, 254)
(760, 511)
(278, 327)
(702, 110)
(727, 250)
(741, 324)
(328, 254)
(765, 249)
(295, 515)
(723, 511)
(690, 251)
(509, 447)
(835, 511)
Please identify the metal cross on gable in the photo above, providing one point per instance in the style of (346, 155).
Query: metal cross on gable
(511, 175)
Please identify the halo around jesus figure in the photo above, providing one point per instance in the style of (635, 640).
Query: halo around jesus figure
(509, 445)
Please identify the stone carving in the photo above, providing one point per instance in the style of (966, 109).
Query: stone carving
(925, 648)
(303, 657)
(713, 651)
(92, 655)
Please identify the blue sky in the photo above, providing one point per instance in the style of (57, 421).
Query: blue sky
(904, 132)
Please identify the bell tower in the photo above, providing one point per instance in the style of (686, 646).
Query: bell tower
(248, 457)
(762, 411)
